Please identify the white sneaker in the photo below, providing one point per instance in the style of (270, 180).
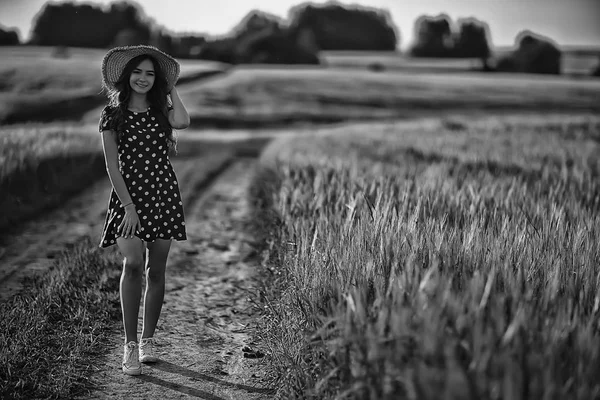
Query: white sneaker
(131, 361)
(148, 350)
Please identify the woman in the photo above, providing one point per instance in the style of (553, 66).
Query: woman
(145, 211)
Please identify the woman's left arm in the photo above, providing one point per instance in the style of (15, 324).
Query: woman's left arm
(178, 116)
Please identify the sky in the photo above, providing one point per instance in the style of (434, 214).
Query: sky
(568, 22)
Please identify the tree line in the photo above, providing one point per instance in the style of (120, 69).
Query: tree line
(327, 27)
(264, 38)
(331, 27)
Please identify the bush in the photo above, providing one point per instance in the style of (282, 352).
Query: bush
(596, 72)
(507, 63)
(376, 67)
(534, 54)
(222, 50)
(274, 47)
(9, 37)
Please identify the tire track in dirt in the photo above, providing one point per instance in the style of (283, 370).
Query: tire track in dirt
(31, 249)
(207, 316)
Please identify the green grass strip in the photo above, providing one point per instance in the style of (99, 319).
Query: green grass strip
(50, 333)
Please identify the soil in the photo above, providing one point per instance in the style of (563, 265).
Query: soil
(205, 333)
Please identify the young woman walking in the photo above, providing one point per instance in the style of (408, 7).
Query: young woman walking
(145, 210)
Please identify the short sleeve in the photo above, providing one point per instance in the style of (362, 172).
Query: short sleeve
(105, 119)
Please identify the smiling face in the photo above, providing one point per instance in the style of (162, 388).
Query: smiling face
(141, 79)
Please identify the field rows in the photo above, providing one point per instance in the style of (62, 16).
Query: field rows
(308, 94)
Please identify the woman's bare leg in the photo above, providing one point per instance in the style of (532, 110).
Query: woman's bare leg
(156, 263)
(131, 284)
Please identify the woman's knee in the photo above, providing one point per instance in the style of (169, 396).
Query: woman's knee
(133, 266)
(155, 273)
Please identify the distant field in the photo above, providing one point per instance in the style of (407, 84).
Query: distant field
(394, 61)
(435, 259)
(574, 63)
(37, 84)
(34, 79)
(33, 69)
(248, 94)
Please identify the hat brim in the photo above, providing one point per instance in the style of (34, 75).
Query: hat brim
(117, 58)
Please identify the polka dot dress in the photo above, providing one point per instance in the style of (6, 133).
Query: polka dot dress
(150, 179)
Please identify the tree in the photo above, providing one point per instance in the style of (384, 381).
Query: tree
(337, 27)
(87, 25)
(433, 37)
(437, 36)
(472, 40)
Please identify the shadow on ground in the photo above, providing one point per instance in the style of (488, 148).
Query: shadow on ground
(171, 368)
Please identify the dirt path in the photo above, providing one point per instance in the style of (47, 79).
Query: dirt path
(207, 315)
(205, 330)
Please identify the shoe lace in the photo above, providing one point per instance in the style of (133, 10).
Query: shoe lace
(147, 345)
(129, 353)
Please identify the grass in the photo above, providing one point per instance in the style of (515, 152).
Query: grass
(262, 97)
(42, 165)
(440, 259)
(51, 336)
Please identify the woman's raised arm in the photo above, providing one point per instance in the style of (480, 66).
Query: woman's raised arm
(178, 116)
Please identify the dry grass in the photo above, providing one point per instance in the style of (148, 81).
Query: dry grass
(451, 259)
(27, 145)
(268, 96)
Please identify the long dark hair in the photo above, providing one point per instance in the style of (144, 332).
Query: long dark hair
(157, 98)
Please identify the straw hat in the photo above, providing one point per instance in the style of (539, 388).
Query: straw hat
(115, 60)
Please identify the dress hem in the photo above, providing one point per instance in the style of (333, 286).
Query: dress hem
(145, 241)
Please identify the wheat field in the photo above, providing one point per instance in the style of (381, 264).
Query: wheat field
(442, 259)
